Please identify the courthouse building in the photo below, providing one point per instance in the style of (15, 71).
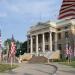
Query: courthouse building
(52, 36)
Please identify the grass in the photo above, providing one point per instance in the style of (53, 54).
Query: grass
(69, 64)
(6, 67)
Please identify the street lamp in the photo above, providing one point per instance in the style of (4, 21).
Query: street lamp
(20, 52)
(20, 57)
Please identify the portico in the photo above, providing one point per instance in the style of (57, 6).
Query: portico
(42, 39)
(51, 37)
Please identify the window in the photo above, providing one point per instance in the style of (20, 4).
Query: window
(59, 35)
(46, 47)
(66, 27)
(46, 37)
(34, 49)
(66, 35)
(59, 47)
(40, 38)
(59, 29)
(29, 42)
(53, 36)
(34, 41)
(28, 36)
(53, 47)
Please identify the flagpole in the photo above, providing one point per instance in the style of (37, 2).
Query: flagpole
(74, 48)
(67, 50)
(0, 48)
(11, 62)
(68, 58)
(12, 51)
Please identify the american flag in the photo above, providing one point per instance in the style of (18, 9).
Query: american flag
(13, 47)
(74, 50)
(1, 53)
(70, 51)
(67, 50)
(0, 39)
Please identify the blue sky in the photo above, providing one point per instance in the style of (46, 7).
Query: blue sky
(16, 16)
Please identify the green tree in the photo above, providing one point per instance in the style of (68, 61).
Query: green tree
(18, 44)
(22, 49)
(7, 41)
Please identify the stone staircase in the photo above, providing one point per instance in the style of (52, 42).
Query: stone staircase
(38, 59)
(43, 58)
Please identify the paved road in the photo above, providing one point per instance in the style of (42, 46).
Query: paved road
(64, 70)
(41, 69)
(32, 69)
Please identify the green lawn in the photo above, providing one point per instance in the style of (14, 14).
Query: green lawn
(69, 64)
(6, 67)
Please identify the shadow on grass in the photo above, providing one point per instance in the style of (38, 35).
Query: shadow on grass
(6, 68)
(70, 71)
(43, 71)
(72, 64)
(11, 72)
(27, 74)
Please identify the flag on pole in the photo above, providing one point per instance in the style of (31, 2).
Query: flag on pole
(74, 49)
(74, 52)
(70, 51)
(67, 50)
(12, 50)
(1, 53)
(13, 47)
(0, 40)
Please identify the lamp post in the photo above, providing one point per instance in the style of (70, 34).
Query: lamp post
(20, 57)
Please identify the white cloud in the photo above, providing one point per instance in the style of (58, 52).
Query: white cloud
(30, 6)
(3, 14)
(9, 7)
(35, 7)
(13, 8)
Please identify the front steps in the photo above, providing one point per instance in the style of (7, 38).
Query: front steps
(43, 58)
(38, 59)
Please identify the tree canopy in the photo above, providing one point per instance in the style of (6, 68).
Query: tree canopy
(21, 48)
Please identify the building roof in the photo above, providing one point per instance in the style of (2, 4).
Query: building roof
(56, 24)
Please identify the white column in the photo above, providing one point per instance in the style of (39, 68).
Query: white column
(43, 41)
(37, 45)
(50, 41)
(27, 45)
(31, 45)
(55, 41)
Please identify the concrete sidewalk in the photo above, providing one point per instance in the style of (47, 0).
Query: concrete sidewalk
(64, 70)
